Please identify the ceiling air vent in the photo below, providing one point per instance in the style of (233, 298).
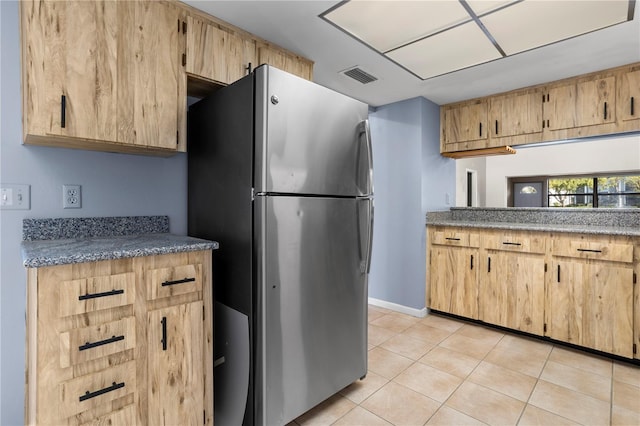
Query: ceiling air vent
(359, 75)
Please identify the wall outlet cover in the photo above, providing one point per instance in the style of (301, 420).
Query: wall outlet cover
(71, 196)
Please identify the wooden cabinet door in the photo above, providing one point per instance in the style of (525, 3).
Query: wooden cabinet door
(454, 280)
(467, 122)
(149, 74)
(286, 62)
(216, 54)
(512, 291)
(70, 68)
(580, 104)
(515, 115)
(629, 95)
(175, 368)
(590, 304)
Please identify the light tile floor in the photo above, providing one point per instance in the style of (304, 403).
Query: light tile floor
(441, 371)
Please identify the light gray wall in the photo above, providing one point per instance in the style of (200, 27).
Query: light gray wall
(410, 178)
(112, 185)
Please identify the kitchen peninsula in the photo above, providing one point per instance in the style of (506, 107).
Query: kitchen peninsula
(565, 274)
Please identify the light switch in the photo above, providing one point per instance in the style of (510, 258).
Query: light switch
(15, 197)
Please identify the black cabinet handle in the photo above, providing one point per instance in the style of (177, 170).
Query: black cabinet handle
(472, 262)
(164, 333)
(489, 265)
(452, 239)
(543, 124)
(100, 343)
(96, 295)
(90, 395)
(632, 113)
(480, 129)
(496, 127)
(590, 251)
(248, 68)
(511, 244)
(558, 273)
(185, 280)
(605, 110)
(63, 111)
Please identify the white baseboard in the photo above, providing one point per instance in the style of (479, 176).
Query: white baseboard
(420, 313)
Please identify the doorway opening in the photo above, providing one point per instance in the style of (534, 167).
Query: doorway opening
(472, 188)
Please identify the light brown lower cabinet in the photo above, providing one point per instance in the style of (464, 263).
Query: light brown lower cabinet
(121, 342)
(574, 288)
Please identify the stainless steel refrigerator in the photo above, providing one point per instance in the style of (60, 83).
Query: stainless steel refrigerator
(280, 174)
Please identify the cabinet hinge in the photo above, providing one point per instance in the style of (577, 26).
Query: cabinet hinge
(184, 59)
(544, 327)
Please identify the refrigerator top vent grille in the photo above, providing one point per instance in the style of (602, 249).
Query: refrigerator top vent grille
(359, 75)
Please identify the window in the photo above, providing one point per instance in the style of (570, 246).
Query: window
(605, 190)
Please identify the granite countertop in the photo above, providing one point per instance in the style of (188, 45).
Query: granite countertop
(47, 241)
(622, 222)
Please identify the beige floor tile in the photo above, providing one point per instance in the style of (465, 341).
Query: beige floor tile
(427, 333)
(485, 404)
(629, 374)
(623, 417)
(441, 322)
(446, 416)
(326, 412)
(570, 404)
(534, 416)
(522, 362)
(361, 417)
(377, 335)
(429, 381)
(468, 346)
(380, 309)
(400, 405)
(578, 380)
(582, 360)
(363, 389)
(527, 345)
(373, 315)
(407, 346)
(386, 363)
(395, 322)
(626, 396)
(450, 361)
(483, 334)
(503, 380)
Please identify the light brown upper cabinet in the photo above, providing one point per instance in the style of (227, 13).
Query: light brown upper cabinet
(217, 54)
(629, 95)
(100, 75)
(285, 61)
(580, 103)
(465, 126)
(516, 115)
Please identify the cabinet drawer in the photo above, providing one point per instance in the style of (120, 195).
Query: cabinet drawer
(617, 251)
(96, 293)
(455, 237)
(174, 280)
(88, 343)
(87, 392)
(526, 243)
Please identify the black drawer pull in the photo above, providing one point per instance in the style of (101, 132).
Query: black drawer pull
(89, 345)
(605, 110)
(511, 244)
(496, 127)
(89, 395)
(63, 111)
(452, 239)
(96, 295)
(632, 112)
(164, 333)
(471, 262)
(480, 128)
(558, 273)
(590, 251)
(489, 265)
(185, 280)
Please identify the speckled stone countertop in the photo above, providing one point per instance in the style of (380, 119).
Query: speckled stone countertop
(625, 222)
(93, 242)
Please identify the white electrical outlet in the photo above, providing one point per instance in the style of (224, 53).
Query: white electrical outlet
(15, 197)
(71, 196)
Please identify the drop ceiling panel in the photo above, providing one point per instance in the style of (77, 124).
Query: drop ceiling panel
(480, 7)
(531, 24)
(460, 47)
(385, 25)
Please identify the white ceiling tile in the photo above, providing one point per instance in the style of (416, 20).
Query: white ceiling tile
(483, 6)
(531, 24)
(385, 25)
(458, 48)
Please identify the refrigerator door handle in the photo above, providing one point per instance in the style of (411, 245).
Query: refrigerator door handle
(365, 230)
(363, 129)
(371, 208)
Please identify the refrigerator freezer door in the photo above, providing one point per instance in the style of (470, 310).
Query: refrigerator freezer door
(309, 139)
(312, 301)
